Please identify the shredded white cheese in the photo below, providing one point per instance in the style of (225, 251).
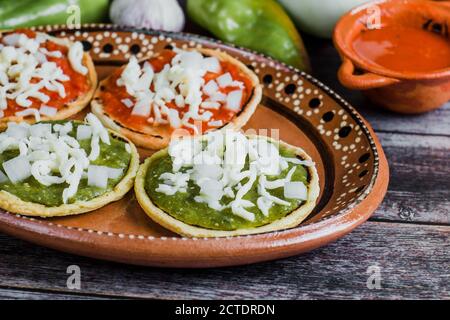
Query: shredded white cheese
(215, 123)
(227, 164)
(234, 100)
(52, 156)
(29, 112)
(76, 58)
(179, 82)
(48, 111)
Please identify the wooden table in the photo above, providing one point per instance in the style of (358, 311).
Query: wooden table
(408, 237)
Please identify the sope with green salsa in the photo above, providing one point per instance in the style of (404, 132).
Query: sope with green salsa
(61, 162)
(183, 206)
(227, 181)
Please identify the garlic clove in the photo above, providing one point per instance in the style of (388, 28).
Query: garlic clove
(164, 15)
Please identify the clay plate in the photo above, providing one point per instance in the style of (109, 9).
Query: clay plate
(352, 168)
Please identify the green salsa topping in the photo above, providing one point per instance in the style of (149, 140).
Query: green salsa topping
(183, 207)
(114, 155)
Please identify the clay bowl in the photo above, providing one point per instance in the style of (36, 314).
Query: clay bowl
(404, 92)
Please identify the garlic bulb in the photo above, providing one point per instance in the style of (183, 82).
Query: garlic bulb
(153, 14)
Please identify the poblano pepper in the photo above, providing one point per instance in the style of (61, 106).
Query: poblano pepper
(260, 25)
(27, 13)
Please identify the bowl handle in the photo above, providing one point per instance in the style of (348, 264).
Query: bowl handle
(361, 82)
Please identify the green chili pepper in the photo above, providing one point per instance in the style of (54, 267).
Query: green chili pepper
(260, 25)
(9, 6)
(27, 13)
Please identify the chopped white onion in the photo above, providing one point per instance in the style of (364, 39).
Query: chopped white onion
(234, 99)
(210, 105)
(141, 109)
(295, 190)
(17, 131)
(212, 189)
(211, 64)
(219, 97)
(84, 132)
(224, 80)
(209, 171)
(211, 88)
(11, 39)
(17, 169)
(98, 176)
(40, 129)
(114, 173)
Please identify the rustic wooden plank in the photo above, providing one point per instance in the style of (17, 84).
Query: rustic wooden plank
(436, 122)
(15, 294)
(419, 189)
(413, 261)
(326, 62)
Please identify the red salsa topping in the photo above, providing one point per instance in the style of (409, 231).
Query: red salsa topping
(113, 95)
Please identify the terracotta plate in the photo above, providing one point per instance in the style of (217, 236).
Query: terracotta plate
(352, 168)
